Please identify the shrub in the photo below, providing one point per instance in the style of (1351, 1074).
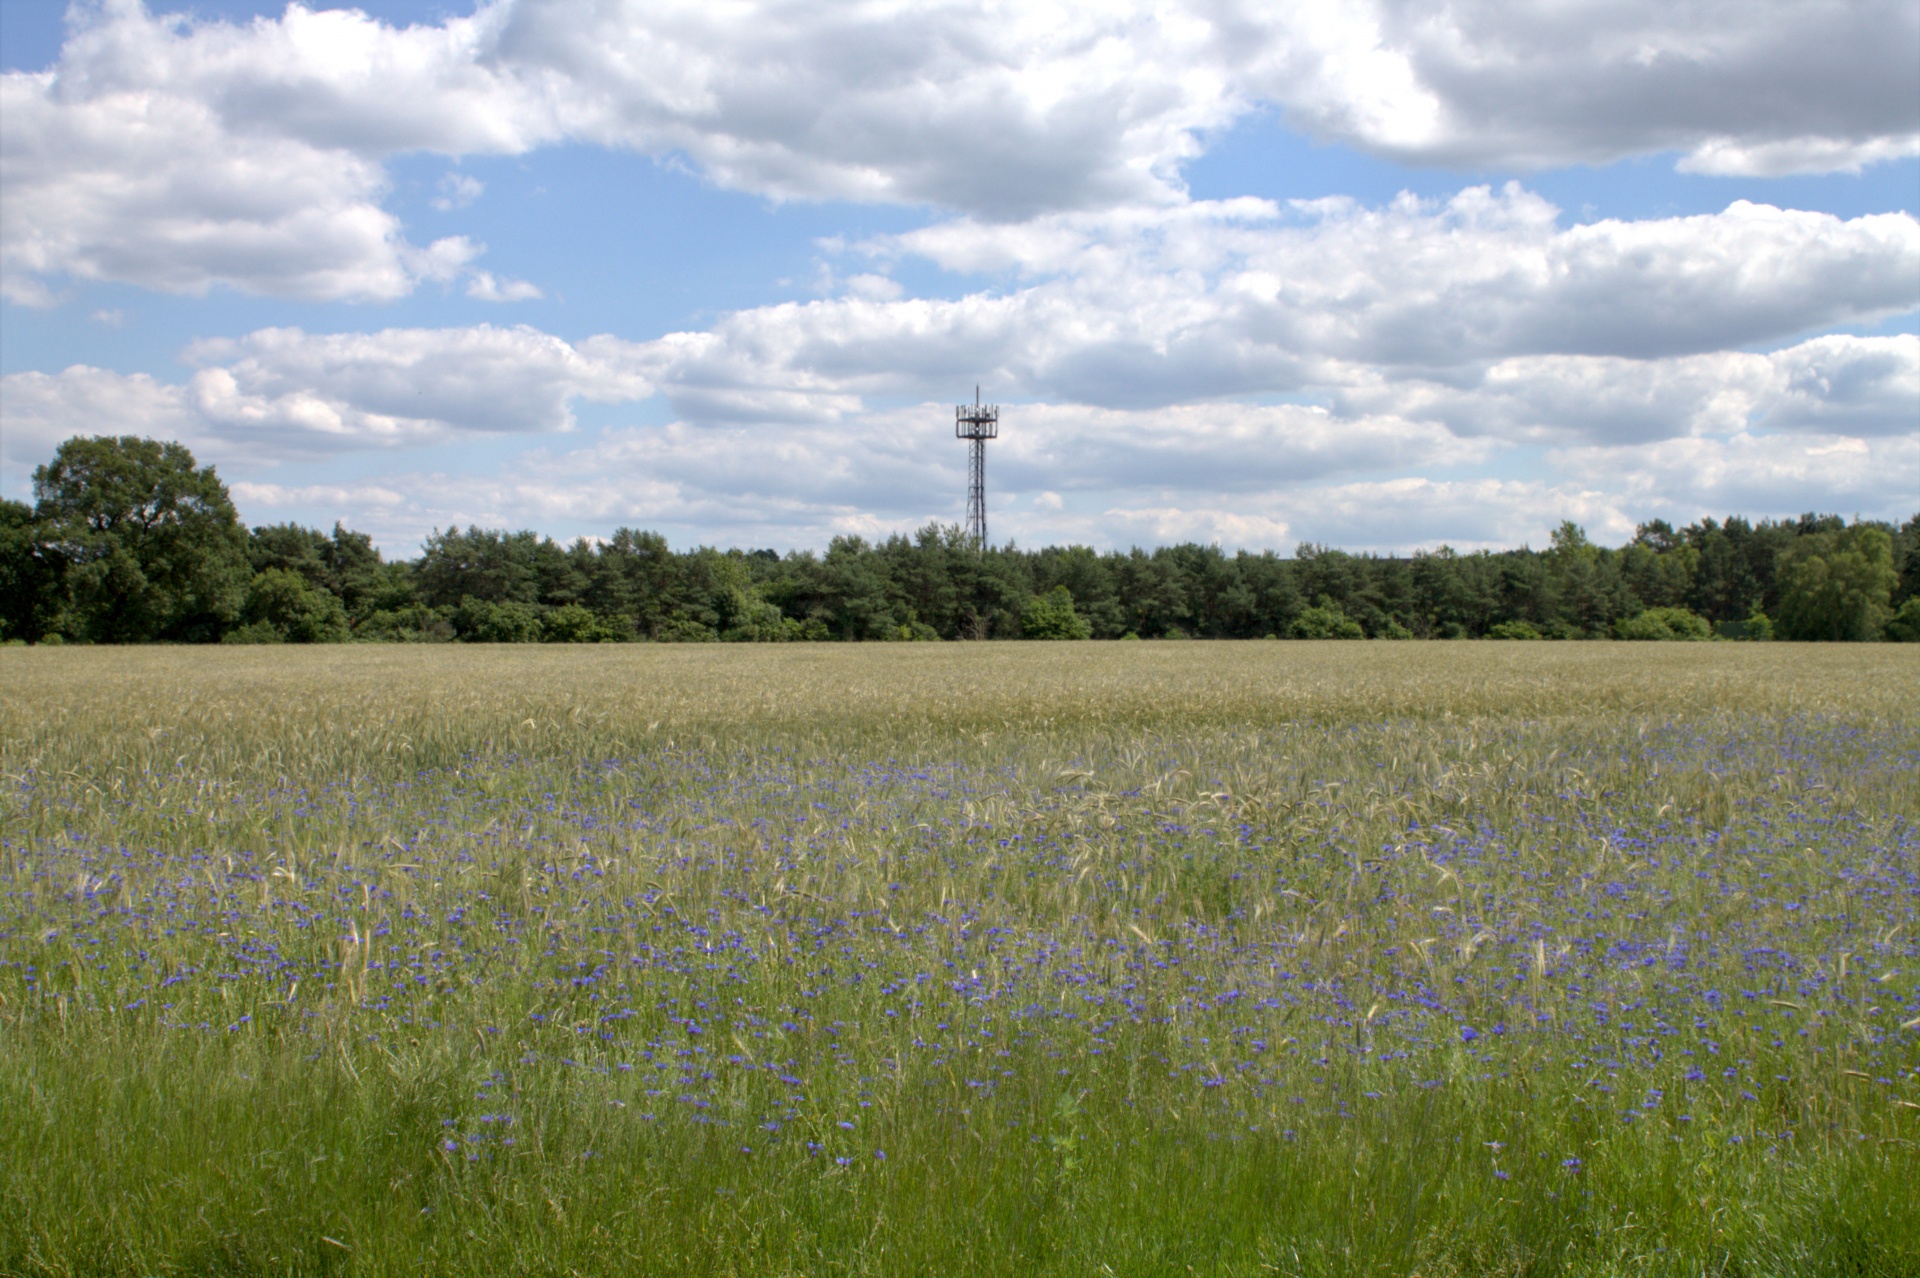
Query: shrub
(751, 619)
(417, 624)
(478, 621)
(283, 601)
(1325, 620)
(1051, 616)
(1904, 626)
(571, 623)
(1663, 623)
(1513, 630)
(681, 628)
(1757, 628)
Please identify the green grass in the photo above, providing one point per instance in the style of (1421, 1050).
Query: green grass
(1130, 958)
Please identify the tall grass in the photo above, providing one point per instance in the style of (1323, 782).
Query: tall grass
(1130, 958)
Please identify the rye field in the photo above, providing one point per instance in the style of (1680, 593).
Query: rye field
(1124, 958)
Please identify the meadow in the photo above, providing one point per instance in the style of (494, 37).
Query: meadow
(1122, 958)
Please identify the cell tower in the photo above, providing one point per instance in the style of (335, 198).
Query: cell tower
(977, 424)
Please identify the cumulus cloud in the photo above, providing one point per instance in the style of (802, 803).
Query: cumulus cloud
(1834, 384)
(1860, 386)
(1218, 448)
(283, 393)
(1480, 314)
(178, 154)
(483, 287)
(1825, 423)
(39, 410)
(1223, 367)
(1767, 87)
(1400, 514)
(155, 192)
(1782, 474)
(1145, 309)
(403, 385)
(457, 191)
(805, 492)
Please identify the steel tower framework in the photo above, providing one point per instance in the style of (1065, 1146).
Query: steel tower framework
(977, 424)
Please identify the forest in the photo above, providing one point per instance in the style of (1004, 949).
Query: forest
(129, 540)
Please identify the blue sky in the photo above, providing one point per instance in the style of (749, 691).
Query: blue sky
(722, 272)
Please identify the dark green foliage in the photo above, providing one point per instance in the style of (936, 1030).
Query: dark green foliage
(1836, 584)
(1757, 628)
(1325, 620)
(29, 577)
(572, 623)
(1662, 623)
(283, 602)
(132, 542)
(415, 623)
(1051, 616)
(1906, 553)
(345, 565)
(1904, 625)
(483, 621)
(149, 545)
(484, 565)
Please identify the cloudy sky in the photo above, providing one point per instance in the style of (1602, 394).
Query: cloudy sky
(1381, 273)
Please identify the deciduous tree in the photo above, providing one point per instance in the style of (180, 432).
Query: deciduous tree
(149, 542)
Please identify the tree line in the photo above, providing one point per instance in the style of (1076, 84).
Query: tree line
(131, 541)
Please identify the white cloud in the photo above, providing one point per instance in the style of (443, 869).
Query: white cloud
(1214, 448)
(1009, 110)
(1727, 157)
(1857, 385)
(1143, 308)
(39, 410)
(1391, 515)
(1754, 473)
(179, 154)
(483, 287)
(278, 394)
(1765, 86)
(1835, 384)
(405, 385)
(1212, 367)
(457, 191)
(874, 288)
(156, 191)
(739, 488)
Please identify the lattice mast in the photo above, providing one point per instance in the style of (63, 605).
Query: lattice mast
(977, 424)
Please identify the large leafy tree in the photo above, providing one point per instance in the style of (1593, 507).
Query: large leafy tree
(282, 605)
(29, 577)
(1835, 585)
(152, 547)
(345, 565)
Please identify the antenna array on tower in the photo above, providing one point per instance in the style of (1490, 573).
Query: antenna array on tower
(977, 423)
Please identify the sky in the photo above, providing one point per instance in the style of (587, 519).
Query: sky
(1383, 274)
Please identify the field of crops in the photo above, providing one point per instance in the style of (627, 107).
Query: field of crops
(1124, 958)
